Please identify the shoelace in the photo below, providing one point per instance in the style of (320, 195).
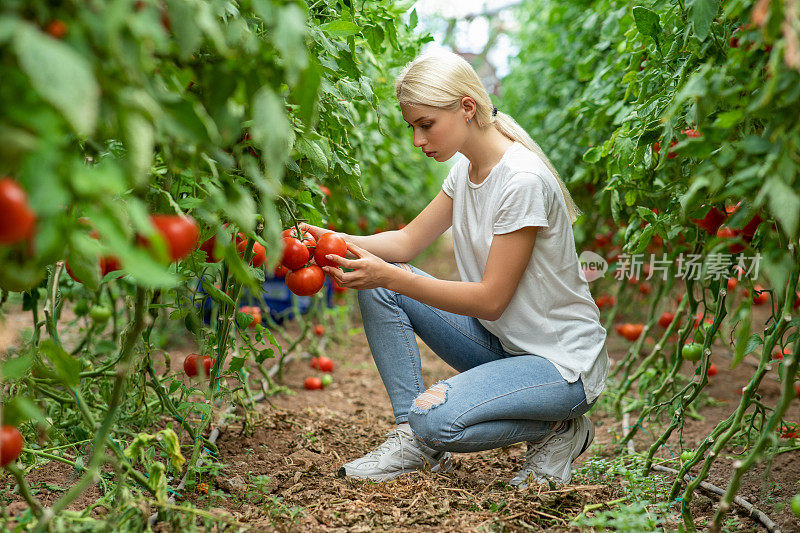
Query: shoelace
(534, 449)
(393, 435)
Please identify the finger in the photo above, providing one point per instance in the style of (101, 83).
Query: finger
(341, 261)
(334, 273)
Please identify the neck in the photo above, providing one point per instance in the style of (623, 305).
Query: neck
(484, 149)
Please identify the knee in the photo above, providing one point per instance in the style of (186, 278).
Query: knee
(429, 418)
(367, 297)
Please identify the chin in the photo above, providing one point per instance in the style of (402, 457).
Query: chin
(444, 156)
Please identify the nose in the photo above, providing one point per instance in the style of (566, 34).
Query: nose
(419, 139)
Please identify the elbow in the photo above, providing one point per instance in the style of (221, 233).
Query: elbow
(494, 312)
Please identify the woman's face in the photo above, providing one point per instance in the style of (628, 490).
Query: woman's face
(438, 132)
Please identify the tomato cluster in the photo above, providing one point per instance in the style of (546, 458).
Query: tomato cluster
(299, 249)
(323, 364)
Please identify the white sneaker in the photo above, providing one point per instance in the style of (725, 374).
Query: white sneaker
(400, 454)
(551, 458)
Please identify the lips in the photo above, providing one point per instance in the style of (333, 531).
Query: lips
(429, 154)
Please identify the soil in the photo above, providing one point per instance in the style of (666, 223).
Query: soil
(298, 440)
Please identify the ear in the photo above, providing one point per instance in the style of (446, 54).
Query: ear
(468, 107)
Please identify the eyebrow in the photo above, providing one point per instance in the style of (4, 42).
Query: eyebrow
(418, 119)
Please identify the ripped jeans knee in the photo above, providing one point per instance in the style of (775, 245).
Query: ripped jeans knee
(431, 424)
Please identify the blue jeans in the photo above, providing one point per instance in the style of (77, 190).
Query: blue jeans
(497, 399)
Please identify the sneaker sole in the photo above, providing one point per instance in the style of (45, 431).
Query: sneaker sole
(444, 465)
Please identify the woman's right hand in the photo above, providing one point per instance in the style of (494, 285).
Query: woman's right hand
(315, 231)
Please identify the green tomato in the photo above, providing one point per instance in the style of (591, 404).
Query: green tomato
(81, 308)
(327, 379)
(100, 314)
(692, 352)
(796, 505)
(686, 455)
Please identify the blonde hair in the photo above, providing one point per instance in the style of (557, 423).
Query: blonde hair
(441, 80)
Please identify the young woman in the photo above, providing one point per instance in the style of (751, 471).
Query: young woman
(521, 326)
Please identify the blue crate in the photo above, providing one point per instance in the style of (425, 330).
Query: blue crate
(276, 297)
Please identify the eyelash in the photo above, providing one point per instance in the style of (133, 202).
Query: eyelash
(423, 126)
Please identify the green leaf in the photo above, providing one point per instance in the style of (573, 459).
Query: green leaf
(16, 367)
(289, 40)
(61, 76)
(311, 150)
(592, 155)
(140, 140)
(184, 26)
(784, 203)
(271, 130)
(237, 363)
(67, 367)
(19, 410)
(701, 15)
(340, 28)
(744, 344)
(729, 119)
(646, 21)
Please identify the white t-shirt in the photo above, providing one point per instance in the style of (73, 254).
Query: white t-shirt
(552, 314)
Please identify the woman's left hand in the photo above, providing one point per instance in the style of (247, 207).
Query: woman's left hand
(368, 271)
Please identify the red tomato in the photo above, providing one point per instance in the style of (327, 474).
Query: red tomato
(629, 331)
(190, 365)
(280, 271)
(749, 230)
(670, 153)
(729, 233)
(315, 362)
(712, 370)
(319, 330)
(305, 281)
(601, 240)
(712, 221)
(605, 300)
(307, 238)
(208, 248)
(797, 302)
(329, 244)
(57, 29)
(325, 364)
(691, 133)
(326, 191)
(179, 232)
(732, 282)
(18, 219)
(295, 253)
(760, 296)
(259, 252)
(313, 383)
(10, 444)
(666, 319)
(254, 312)
(645, 288)
(778, 354)
(797, 389)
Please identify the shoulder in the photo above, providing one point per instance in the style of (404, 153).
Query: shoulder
(526, 170)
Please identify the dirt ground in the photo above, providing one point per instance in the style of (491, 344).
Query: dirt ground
(280, 474)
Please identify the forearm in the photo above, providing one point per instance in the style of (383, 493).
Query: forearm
(391, 246)
(460, 297)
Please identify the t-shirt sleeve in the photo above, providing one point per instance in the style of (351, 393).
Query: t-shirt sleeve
(449, 185)
(524, 201)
